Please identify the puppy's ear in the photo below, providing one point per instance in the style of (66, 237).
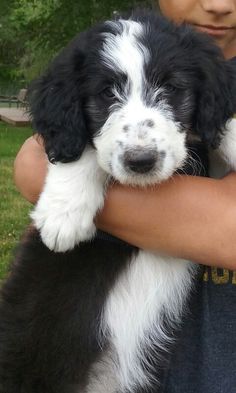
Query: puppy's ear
(216, 101)
(56, 107)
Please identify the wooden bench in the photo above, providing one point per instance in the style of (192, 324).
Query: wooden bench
(20, 100)
(15, 116)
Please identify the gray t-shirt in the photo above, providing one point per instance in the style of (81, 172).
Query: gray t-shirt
(204, 358)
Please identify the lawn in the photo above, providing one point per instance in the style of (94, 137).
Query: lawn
(14, 210)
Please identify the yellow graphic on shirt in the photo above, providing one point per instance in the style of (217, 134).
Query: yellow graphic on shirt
(234, 278)
(219, 276)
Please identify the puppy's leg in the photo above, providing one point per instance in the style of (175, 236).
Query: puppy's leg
(227, 148)
(72, 195)
(103, 374)
(223, 159)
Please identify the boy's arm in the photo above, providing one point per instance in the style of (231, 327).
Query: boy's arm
(30, 168)
(188, 217)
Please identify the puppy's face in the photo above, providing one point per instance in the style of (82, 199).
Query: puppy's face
(142, 135)
(135, 89)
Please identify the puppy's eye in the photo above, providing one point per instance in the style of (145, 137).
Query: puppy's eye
(108, 92)
(171, 88)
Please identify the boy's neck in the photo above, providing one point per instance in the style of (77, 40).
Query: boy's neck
(228, 49)
(230, 52)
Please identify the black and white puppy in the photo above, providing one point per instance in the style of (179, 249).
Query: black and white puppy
(121, 102)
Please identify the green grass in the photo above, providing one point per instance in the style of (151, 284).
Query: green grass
(14, 210)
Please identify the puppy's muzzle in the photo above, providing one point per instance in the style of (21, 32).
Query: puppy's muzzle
(140, 160)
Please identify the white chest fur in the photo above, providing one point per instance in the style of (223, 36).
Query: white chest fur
(152, 290)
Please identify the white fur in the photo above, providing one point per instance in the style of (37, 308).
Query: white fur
(123, 51)
(103, 374)
(152, 287)
(223, 159)
(72, 195)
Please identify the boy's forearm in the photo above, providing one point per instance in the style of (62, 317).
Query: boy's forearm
(30, 169)
(189, 217)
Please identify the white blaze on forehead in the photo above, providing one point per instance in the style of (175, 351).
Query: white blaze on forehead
(125, 52)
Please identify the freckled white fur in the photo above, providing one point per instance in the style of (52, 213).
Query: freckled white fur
(112, 142)
(72, 195)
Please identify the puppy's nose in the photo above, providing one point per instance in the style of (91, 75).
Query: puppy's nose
(140, 160)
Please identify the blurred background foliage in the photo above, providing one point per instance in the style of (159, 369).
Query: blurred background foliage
(33, 31)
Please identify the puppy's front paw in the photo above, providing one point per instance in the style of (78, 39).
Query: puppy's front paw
(63, 230)
(72, 195)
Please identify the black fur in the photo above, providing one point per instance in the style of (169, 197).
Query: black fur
(193, 69)
(50, 314)
(51, 303)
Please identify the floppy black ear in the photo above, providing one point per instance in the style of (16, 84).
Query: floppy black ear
(216, 101)
(56, 107)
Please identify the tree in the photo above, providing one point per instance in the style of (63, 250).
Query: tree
(35, 30)
(10, 46)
